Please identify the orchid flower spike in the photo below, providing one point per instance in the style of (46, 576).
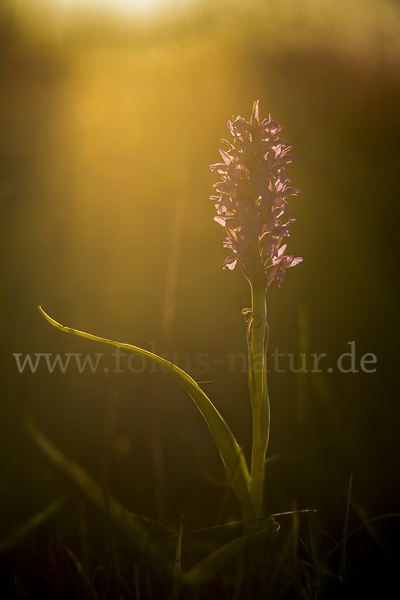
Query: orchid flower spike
(252, 199)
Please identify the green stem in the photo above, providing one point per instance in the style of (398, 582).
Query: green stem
(259, 393)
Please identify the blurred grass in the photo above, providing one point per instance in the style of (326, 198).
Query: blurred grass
(106, 133)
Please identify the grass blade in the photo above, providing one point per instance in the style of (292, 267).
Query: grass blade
(14, 537)
(130, 527)
(91, 592)
(217, 560)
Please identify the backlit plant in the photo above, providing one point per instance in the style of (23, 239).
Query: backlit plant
(252, 207)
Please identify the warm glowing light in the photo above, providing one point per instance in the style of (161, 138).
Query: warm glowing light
(122, 7)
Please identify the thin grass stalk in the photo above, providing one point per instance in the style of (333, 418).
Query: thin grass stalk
(342, 566)
(177, 574)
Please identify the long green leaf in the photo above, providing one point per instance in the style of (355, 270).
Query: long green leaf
(231, 454)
